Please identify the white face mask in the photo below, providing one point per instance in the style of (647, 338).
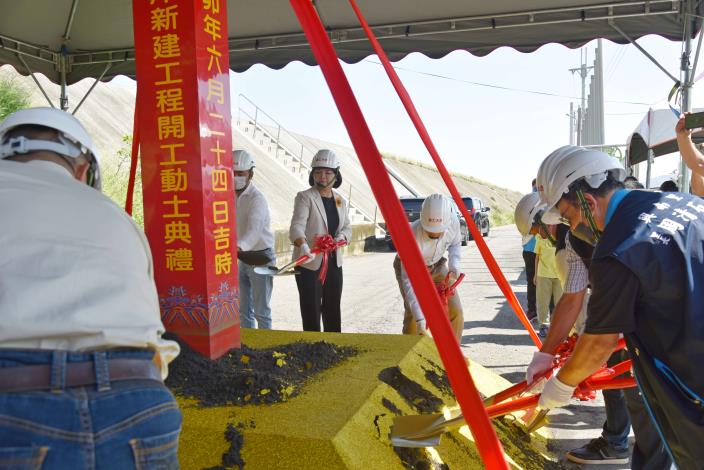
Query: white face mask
(240, 182)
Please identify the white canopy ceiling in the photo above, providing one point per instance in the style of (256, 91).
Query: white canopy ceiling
(94, 38)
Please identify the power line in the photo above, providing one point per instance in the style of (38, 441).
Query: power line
(500, 87)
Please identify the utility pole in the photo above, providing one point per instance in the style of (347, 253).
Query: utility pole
(583, 71)
(599, 98)
(686, 80)
(571, 123)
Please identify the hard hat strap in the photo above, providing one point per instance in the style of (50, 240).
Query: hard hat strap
(66, 149)
(588, 215)
(548, 235)
(22, 145)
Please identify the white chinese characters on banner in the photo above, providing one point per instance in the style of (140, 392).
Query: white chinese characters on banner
(669, 219)
(664, 239)
(647, 218)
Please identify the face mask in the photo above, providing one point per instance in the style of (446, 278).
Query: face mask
(585, 234)
(240, 182)
(325, 186)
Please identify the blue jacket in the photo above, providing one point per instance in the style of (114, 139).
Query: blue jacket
(659, 238)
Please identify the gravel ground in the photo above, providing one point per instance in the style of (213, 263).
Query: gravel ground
(493, 336)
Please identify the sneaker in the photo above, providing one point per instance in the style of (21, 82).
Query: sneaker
(599, 452)
(543, 332)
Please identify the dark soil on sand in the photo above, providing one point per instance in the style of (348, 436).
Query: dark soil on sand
(232, 458)
(251, 376)
(412, 392)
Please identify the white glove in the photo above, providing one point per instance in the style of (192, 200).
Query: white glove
(540, 363)
(555, 394)
(420, 326)
(305, 250)
(341, 238)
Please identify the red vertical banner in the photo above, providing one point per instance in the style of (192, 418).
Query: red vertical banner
(186, 147)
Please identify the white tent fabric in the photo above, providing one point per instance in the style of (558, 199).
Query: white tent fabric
(68, 40)
(656, 132)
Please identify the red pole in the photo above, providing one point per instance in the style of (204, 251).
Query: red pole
(133, 161)
(425, 137)
(470, 402)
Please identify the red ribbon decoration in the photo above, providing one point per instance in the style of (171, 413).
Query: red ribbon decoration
(325, 245)
(445, 290)
(425, 137)
(467, 395)
(606, 378)
(129, 198)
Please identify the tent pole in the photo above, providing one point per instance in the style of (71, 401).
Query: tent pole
(696, 54)
(41, 88)
(686, 74)
(69, 23)
(108, 66)
(647, 169)
(63, 99)
(638, 46)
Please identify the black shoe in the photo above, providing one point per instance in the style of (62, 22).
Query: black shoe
(531, 315)
(597, 452)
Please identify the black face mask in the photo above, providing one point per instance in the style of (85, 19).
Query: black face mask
(323, 186)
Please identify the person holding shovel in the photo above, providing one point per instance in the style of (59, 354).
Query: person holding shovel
(646, 275)
(255, 245)
(320, 220)
(437, 231)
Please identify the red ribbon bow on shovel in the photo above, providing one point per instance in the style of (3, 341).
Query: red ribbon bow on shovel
(324, 245)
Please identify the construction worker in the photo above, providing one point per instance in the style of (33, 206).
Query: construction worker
(320, 211)
(570, 267)
(622, 407)
(437, 231)
(646, 276)
(81, 355)
(255, 245)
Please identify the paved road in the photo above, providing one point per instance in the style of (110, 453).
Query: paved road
(371, 303)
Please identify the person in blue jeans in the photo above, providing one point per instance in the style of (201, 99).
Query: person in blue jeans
(254, 237)
(82, 360)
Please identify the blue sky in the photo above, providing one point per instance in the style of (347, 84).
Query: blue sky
(496, 134)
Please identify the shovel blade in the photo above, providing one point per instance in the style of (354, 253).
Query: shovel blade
(415, 426)
(266, 270)
(432, 441)
(274, 271)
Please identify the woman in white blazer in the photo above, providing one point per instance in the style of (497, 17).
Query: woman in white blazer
(318, 211)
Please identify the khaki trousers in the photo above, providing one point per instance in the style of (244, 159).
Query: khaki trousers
(438, 272)
(546, 288)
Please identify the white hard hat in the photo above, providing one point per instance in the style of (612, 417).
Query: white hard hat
(436, 213)
(242, 161)
(565, 166)
(325, 158)
(527, 208)
(74, 139)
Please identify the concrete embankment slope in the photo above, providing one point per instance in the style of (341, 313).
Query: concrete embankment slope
(108, 114)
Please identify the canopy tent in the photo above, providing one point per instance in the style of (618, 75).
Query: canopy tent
(656, 133)
(95, 40)
(72, 40)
